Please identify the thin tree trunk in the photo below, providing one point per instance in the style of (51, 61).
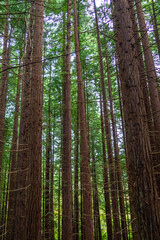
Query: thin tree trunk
(155, 25)
(52, 232)
(132, 212)
(4, 83)
(76, 201)
(13, 166)
(66, 149)
(116, 151)
(117, 229)
(34, 206)
(106, 183)
(143, 189)
(86, 180)
(47, 177)
(59, 207)
(97, 223)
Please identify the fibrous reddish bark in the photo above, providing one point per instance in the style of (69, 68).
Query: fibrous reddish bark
(4, 83)
(85, 166)
(66, 146)
(117, 229)
(13, 167)
(141, 176)
(35, 143)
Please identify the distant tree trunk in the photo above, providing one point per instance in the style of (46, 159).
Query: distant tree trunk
(143, 189)
(52, 232)
(117, 229)
(23, 145)
(85, 166)
(35, 146)
(106, 183)
(97, 223)
(155, 25)
(116, 152)
(13, 167)
(66, 147)
(4, 83)
(152, 83)
(59, 206)
(76, 199)
(131, 205)
(47, 177)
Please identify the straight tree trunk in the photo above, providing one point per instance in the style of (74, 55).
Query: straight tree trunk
(4, 82)
(23, 145)
(34, 206)
(143, 189)
(155, 25)
(142, 72)
(106, 182)
(52, 232)
(47, 177)
(76, 199)
(13, 167)
(66, 147)
(85, 166)
(97, 223)
(152, 83)
(117, 229)
(116, 152)
(59, 207)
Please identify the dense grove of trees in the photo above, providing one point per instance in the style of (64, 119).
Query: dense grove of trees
(79, 120)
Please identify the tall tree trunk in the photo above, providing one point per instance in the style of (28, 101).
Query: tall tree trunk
(86, 180)
(47, 177)
(142, 72)
(106, 182)
(97, 223)
(34, 206)
(59, 206)
(52, 232)
(152, 82)
(155, 25)
(117, 230)
(4, 83)
(131, 204)
(116, 152)
(76, 201)
(23, 146)
(143, 189)
(66, 149)
(13, 166)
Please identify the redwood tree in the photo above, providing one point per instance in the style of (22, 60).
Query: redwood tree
(142, 183)
(35, 144)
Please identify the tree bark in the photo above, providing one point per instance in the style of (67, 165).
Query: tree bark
(143, 189)
(106, 182)
(152, 83)
(117, 229)
(4, 83)
(76, 198)
(34, 210)
(155, 25)
(86, 180)
(66, 149)
(13, 167)
(116, 152)
(23, 145)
